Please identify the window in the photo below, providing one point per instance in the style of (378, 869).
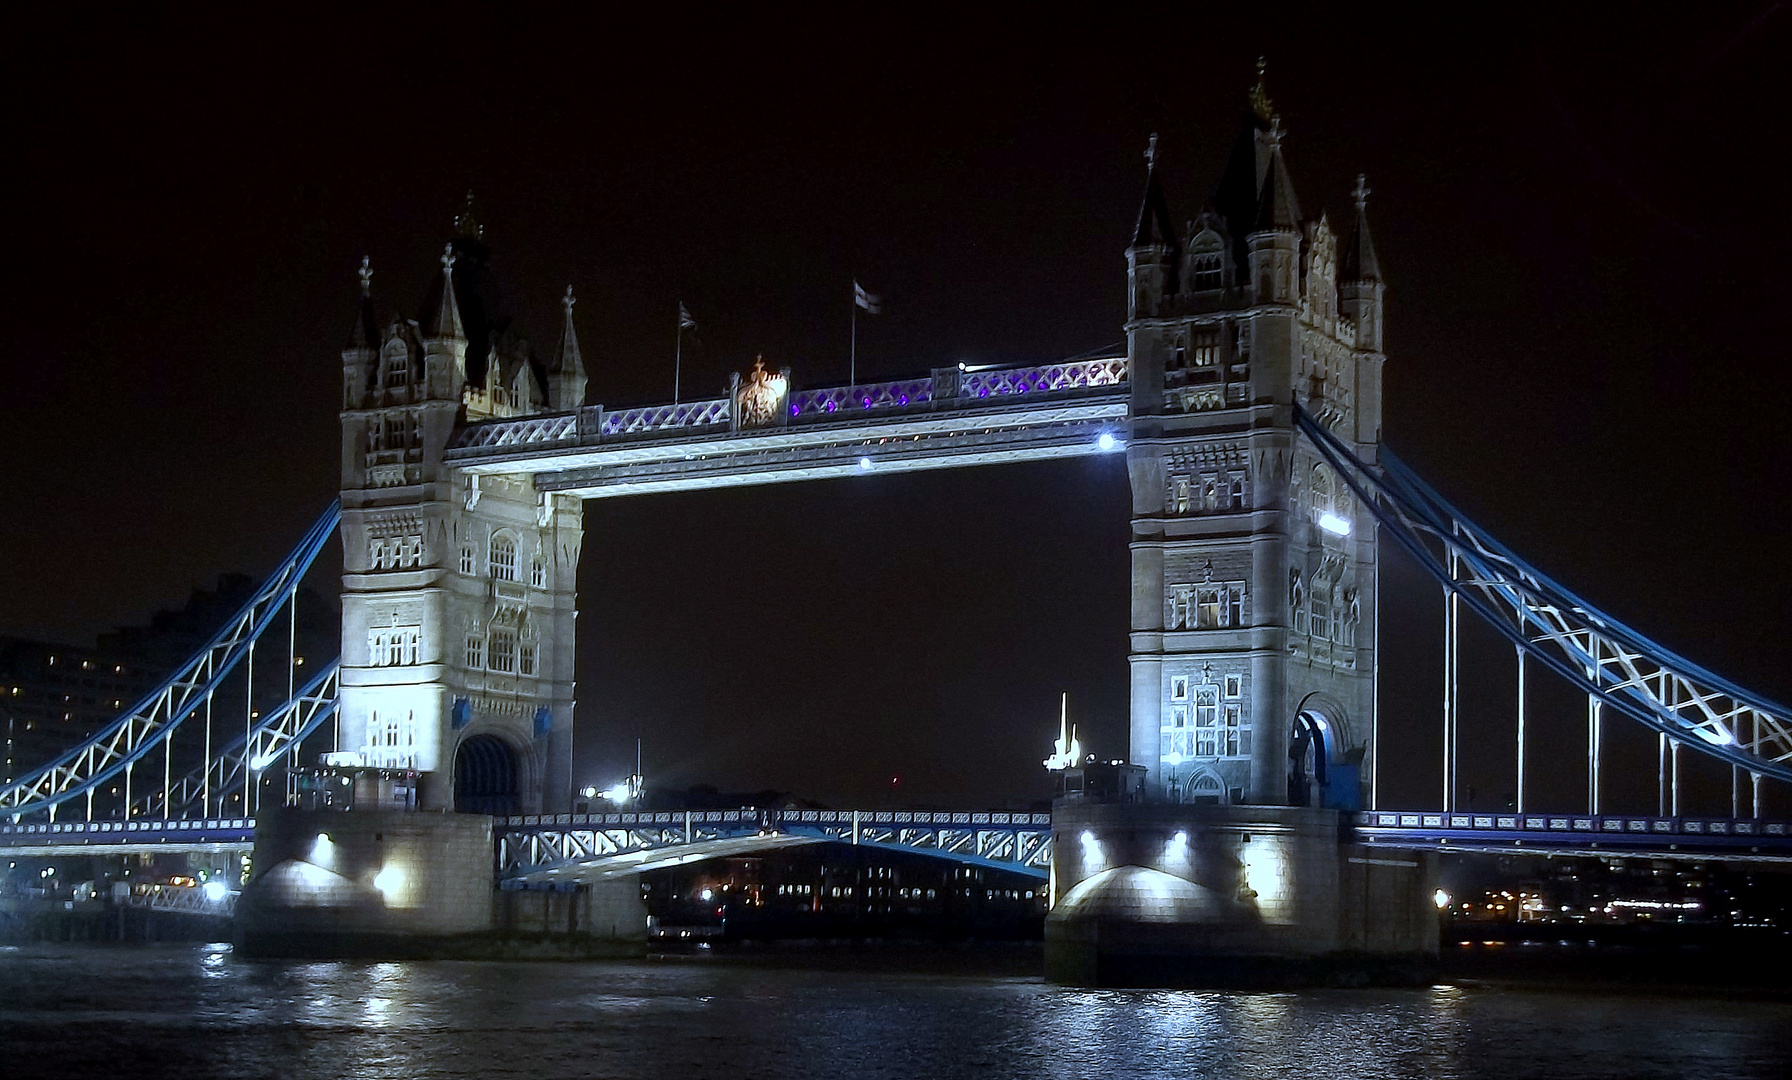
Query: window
(503, 558)
(1235, 498)
(391, 742)
(377, 555)
(1234, 613)
(1234, 686)
(1206, 351)
(525, 659)
(1320, 618)
(1207, 704)
(1206, 274)
(1205, 790)
(475, 651)
(502, 656)
(1182, 495)
(1297, 610)
(391, 646)
(1179, 688)
(469, 558)
(1210, 495)
(1233, 740)
(398, 367)
(1207, 609)
(538, 573)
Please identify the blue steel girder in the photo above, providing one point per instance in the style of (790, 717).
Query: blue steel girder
(1613, 663)
(278, 733)
(541, 846)
(953, 418)
(155, 718)
(1603, 835)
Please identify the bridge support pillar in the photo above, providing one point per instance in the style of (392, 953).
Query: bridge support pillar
(1163, 895)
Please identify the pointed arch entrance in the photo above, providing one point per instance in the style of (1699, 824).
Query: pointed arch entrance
(485, 780)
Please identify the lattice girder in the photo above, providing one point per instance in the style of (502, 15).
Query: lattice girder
(1614, 664)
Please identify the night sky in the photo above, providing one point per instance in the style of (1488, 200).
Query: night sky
(1581, 215)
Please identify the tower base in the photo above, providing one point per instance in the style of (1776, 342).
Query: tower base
(1232, 896)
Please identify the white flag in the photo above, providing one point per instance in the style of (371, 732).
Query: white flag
(872, 304)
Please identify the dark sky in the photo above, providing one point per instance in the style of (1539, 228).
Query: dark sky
(1581, 213)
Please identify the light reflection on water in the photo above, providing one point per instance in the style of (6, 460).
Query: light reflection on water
(196, 1012)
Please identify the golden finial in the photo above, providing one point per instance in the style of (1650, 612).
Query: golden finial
(366, 276)
(1260, 103)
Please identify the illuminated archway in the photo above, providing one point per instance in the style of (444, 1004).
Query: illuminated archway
(485, 777)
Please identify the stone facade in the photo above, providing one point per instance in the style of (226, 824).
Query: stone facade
(1253, 569)
(459, 591)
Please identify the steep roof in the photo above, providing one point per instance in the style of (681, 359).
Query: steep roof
(1154, 226)
(1359, 262)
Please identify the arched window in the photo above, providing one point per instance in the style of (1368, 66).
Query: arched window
(538, 572)
(1206, 269)
(1206, 790)
(397, 362)
(1237, 494)
(503, 558)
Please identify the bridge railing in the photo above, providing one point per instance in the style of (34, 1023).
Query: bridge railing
(943, 388)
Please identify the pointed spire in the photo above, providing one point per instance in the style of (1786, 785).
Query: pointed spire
(365, 334)
(446, 323)
(1276, 205)
(1154, 214)
(569, 360)
(1359, 262)
(466, 225)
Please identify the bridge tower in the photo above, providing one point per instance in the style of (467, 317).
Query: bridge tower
(1253, 570)
(458, 591)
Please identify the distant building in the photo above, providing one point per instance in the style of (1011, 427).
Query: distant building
(53, 694)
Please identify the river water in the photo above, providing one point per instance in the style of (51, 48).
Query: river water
(194, 1012)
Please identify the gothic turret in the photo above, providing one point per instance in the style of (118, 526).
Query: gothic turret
(1360, 286)
(1273, 243)
(445, 337)
(566, 379)
(1151, 258)
(361, 355)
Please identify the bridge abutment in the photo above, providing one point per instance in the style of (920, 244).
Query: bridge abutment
(1176, 895)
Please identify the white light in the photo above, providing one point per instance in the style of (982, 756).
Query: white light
(619, 794)
(864, 464)
(1716, 738)
(1334, 524)
(1441, 899)
(262, 761)
(214, 891)
(1320, 721)
(389, 881)
(590, 791)
(706, 895)
(322, 848)
(1105, 442)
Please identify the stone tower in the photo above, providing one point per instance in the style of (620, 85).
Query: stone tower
(1253, 568)
(458, 591)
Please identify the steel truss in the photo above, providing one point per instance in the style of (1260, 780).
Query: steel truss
(1613, 664)
(532, 846)
(279, 732)
(154, 720)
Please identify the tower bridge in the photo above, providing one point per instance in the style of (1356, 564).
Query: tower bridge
(1247, 402)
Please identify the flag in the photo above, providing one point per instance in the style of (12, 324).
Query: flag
(685, 322)
(872, 304)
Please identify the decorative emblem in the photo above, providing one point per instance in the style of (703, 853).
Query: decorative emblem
(760, 399)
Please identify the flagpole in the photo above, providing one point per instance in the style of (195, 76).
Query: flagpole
(678, 355)
(853, 374)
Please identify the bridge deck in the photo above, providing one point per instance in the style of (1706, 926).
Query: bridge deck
(952, 418)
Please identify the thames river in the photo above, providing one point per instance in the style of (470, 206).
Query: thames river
(195, 1012)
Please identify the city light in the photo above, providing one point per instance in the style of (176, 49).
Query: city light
(864, 464)
(214, 891)
(262, 761)
(323, 849)
(1106, 442)
(589, 791)
(1334, 524)
(1441, 899)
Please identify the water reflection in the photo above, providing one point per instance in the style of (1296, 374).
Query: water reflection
(198, 1012)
